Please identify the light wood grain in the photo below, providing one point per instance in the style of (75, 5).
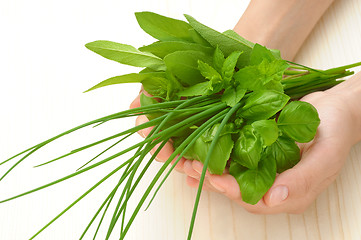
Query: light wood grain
(44, 70)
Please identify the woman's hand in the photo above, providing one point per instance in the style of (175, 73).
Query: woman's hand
(321, 159)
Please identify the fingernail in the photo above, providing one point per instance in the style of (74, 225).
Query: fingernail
(278, 195)
(216, 186)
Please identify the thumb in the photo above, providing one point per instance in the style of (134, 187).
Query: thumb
(295, 189)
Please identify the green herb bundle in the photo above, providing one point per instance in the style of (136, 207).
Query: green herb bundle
(220, 99)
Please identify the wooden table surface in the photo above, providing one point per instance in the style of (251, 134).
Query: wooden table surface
(45, 69)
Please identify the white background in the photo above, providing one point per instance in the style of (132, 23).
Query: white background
(44, 68)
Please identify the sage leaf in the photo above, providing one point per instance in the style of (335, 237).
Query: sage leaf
(162, 49)
(267, 129)
(128, 78)
(247, 148)
(263, 104)
(126, 54)
(299, 120)
(227, 44)
(164, 28)
(254, 183)
(197, 38)
(285, 152)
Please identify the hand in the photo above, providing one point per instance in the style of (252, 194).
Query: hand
(321, 159)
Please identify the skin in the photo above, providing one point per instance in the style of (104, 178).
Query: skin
(322, 159)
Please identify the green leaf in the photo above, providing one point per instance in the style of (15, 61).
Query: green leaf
(274, 70)
(265, 75)
(227, 43)
(229, 65)
(267, 129)
(299, 120)
(203, 88)
(236, 36)
(211, 74)
(184, 65)
(248, 78)
(218, 60)
(156, 86)
(232, 95)
(248, 148)
(260, 53)
(197, 38)
(254, 183)
(221, 152)
(128, 78)
(284, 152)
(274, 85)
(263, 104)
(163, 28)
(162, 49)
(147, 101)
(126, 54)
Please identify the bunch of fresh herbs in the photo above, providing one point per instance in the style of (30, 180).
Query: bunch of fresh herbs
(218, 98)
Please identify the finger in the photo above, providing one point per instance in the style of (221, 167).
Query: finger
(198, 167)
(194, 183)
(188, 169)
(135, 103)
(295, 189)
(227, 185)
(180, 165)
(164, 153)
(140, 120)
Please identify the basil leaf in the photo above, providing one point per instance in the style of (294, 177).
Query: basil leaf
(184, 65)
(126, 54)
(128, 78)
(163, 28)
(274, 85)
(162, 49)
(284, 152)
(299, 120)
(254, 183)
(232, 95)
(221, 152)
(267, 129)
(229, 65)
(227, 44)
(218, 60)
(146, 101)
(247, 148)
(263, 104)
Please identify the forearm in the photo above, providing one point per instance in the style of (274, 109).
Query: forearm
(350, 92)
(281, 24)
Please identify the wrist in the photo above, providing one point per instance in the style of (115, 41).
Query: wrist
(281, 24)
(350, 93)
